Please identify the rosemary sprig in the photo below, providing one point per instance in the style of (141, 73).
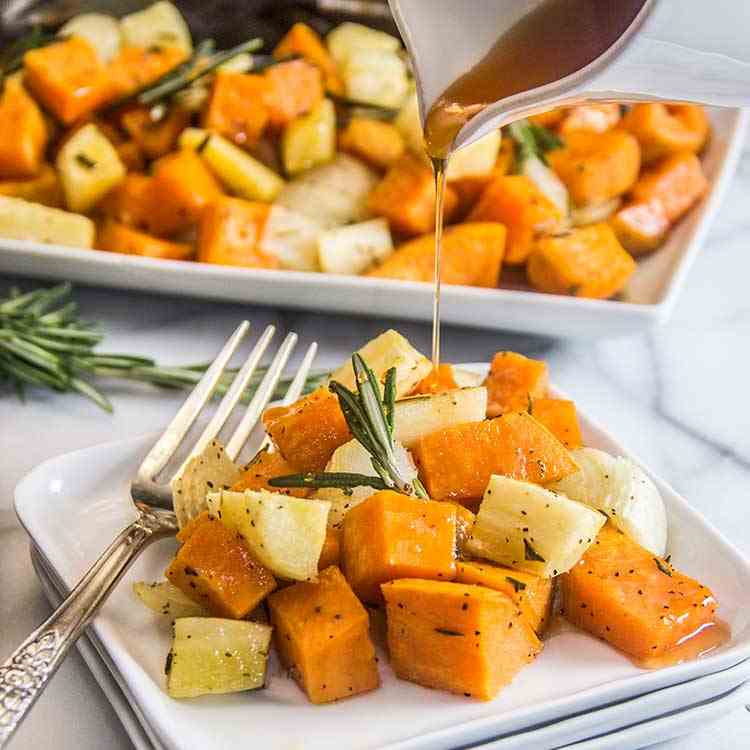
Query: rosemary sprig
(353, 108)
(370, 417)
(44, 344)
(533, 141)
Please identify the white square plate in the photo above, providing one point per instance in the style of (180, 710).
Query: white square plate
(72, 506)
(647, 301)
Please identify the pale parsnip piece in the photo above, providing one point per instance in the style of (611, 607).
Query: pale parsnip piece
(389, 349)
(240, 172)
(420, 415)
(292, 238)
(375, 77)
(467, 378)
(161, 24)
(210, 655)
(348, 38)
(623, 491)
(310, 140)
(525, 526)
(594, 213)
(476, 159)
(101, 31)
(21, 220)
(89, 167)
(353, 249)
(353, 458)
(286, 534)
(164, 598)
(333, 194)
(552, 187)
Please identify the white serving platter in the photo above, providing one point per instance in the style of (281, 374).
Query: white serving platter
(73, 505)
(647, 710)
(646, 302)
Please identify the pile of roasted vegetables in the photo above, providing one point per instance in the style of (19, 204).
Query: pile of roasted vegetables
(453, 506)
(121, 135)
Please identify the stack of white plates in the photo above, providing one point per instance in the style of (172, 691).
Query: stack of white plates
(578, 689)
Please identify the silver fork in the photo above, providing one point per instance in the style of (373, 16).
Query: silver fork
(25, 674)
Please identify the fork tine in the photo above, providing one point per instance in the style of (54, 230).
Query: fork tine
(262, 397)
(166, 445)
(232, 396)
(295, 387)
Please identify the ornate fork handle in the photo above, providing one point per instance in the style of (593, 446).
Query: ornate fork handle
(24, 675)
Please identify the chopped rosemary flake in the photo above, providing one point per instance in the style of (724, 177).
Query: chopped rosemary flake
(662, 567)
(85, 161)
(445, 631)
(529, 553)
(517, 585)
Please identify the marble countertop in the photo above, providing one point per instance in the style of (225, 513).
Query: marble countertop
(676, 397)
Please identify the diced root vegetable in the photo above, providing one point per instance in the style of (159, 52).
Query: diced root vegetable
(286, 534)
(310, 140)
(513, 382)
(354, 248)
(468, 640)
(622, 490)
(560, 418)
(25, 132)
(641, 228)
(378, 143)
(236, 107)
(20, 220)
(212, 656)
(118, 238)
(166, 599)
(594, 213)
(347, 38)
(291, 238)
(530, 528)
(408, 122)
(477, 159)
(375, 77)
(161, 24)
(45, 188)
(552, 187)
(264, 466)
(101, 31)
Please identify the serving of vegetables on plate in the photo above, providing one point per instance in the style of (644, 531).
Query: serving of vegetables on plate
(124, 135)
(462, 515)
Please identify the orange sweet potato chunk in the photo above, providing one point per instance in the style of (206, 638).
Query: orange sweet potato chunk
(236, 108)
(184, 186)
(664, 129)
(294, 89)
(45, 188)
(132, 203)
(331, 552)
(391, 535)
(24, 133)
(586, 262)
(468, 640)
(559, 416)
(131, 156)
(306, 42)
(67, 78)
(470, 189)
(639, 603)
(597, 167)
(513, 380)
(322, 634)
(308, 431)
(378, 143)
(457, 462)
(118, 238)
(406, 197)
(472, 255)
(438, 381)
(532, 594)
(214, 568)
(640, 227)
(675, 182)
(267, 465)
(516, 202)
(154, 137)
(229, 231)
(135, 67)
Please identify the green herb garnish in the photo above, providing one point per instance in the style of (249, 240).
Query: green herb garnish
(532, 141)
(517, 585)
(85, 161)
(529, 553)
(663, 567)
(445, 631)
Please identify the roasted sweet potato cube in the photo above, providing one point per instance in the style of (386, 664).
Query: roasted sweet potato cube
(639, 603)
(155, 137)
(640, 227)
(559, 416)
(470, 189)
(308, 431)
(378, 143)
(472, 255)
(294, 88)
(597, 167)
(439, 380)
(118, 238)
(229, 231)
(45, 188)
(531, 593)
(468, 640)
(513, 380)
(24, 133)
(465, 519)
(184, 186)
(67, 78)
(214, 568)
(593, 117)
(457, 462)
(406, 197)
(664, 129)
(135, 67)
(237, 108)
(131, 156)
(391, 535)
(267, 465)
(306, 42)
(189, 528)
(331, 552)
(676, 182)
(516, 202)
(586, 262)
(321, 633)
(132, 203)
